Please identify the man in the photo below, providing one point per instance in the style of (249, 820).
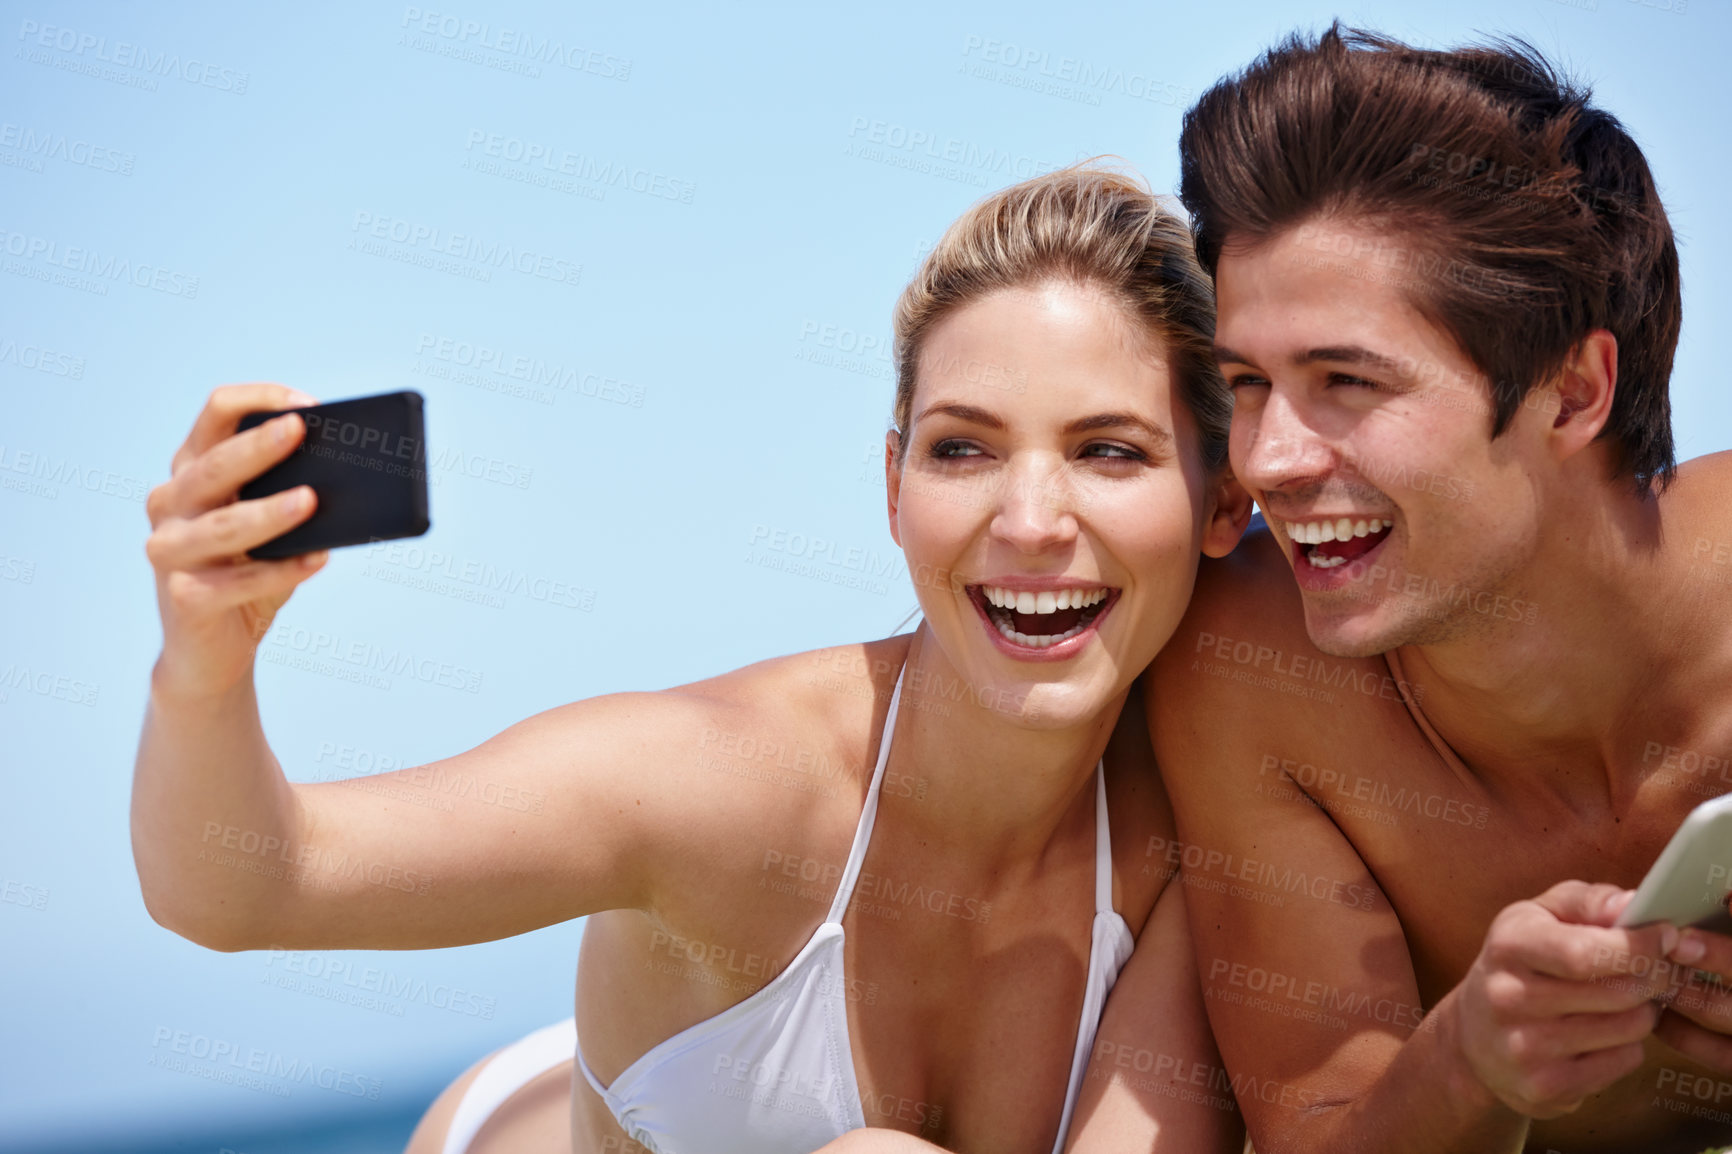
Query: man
(1426, 728)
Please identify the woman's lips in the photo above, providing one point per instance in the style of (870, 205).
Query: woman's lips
(1043, 631)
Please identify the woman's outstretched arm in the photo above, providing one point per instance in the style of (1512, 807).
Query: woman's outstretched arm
(562, 814)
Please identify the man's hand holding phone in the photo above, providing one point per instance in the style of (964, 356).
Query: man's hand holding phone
(1568, 986)
(216, 602)
(1698, 1018)
(1689, 887)
(1560, 1000)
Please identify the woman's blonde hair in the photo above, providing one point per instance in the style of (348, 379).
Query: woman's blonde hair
(1093, 226)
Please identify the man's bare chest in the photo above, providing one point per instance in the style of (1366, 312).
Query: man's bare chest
(1449, 848)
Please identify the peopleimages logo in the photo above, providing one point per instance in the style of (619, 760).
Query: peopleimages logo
(461, 36)
(925, 150)
(84, 51)
(222, 1060)
(102, 268)
(45, 145)
(40, 359)
(425, 245)
(1067, 77)
(556, 161)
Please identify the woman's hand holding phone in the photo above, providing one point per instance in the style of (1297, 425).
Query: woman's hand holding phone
(216, 602)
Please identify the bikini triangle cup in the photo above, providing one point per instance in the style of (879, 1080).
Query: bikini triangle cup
(774, 1073)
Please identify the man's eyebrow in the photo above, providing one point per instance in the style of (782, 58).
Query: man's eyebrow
(1153, 431)
(1341, 354)
(1351, 355)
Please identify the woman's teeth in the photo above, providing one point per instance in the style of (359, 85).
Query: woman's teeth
(1038, 640)
(1043, 602)
(1076, 606)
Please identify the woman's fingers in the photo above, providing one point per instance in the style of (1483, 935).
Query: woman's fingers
(216, 602)
(224, 534)
(223, 410)
(214, 477)
(212, 590)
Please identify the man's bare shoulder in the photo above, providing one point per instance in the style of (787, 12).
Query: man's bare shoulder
(1241, 661)
(1251, 587)
(1697, 511)
(1247, 604)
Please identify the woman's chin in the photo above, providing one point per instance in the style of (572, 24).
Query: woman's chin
(1040, 704)
(1035, 692)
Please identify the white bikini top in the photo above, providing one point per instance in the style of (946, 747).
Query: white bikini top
(774, 1074)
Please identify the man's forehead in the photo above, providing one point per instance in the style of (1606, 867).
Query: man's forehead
(1318, 287)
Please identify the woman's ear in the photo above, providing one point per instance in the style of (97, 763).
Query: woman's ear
(1229, 513)
(893, 481)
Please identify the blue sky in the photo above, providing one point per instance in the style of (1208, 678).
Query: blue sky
(676, 388)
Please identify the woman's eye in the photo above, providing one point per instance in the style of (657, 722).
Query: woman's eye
(951, 450)
(1112, 452)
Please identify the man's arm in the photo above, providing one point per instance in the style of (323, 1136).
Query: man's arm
(1314, 1003)
(1155, 1083)
(1305, 967)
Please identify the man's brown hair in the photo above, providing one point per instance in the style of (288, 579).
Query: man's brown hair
(1532, 214)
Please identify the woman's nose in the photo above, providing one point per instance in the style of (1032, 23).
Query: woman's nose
(1036, 507)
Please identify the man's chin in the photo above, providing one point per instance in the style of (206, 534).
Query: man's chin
(1353, 635)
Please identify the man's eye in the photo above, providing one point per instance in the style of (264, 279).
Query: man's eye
(1246, 381)
(1355, 382)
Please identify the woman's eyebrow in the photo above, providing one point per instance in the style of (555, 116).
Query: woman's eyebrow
(985, 417)
(1154, 432)
(971, 413)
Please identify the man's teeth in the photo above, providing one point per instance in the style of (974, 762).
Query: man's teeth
(1340, 529)
(1047, 601)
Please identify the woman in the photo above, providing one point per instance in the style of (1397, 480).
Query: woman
(1055, 468)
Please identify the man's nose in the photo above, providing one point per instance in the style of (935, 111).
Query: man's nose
(1275, 446)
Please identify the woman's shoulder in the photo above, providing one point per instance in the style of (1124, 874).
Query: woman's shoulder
(825, 682)
(828, 702)
(836, 694)
(764, 763)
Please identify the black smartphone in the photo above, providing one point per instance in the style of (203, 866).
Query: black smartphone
(366, 459)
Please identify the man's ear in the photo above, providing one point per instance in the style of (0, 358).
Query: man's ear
(1584, 391)
(893, 482)
(1229, 513)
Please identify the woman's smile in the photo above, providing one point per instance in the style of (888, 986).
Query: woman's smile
(1041, 619)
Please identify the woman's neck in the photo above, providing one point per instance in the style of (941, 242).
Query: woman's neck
(971, 778)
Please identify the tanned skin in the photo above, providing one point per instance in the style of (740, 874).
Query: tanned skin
(1408, 945)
